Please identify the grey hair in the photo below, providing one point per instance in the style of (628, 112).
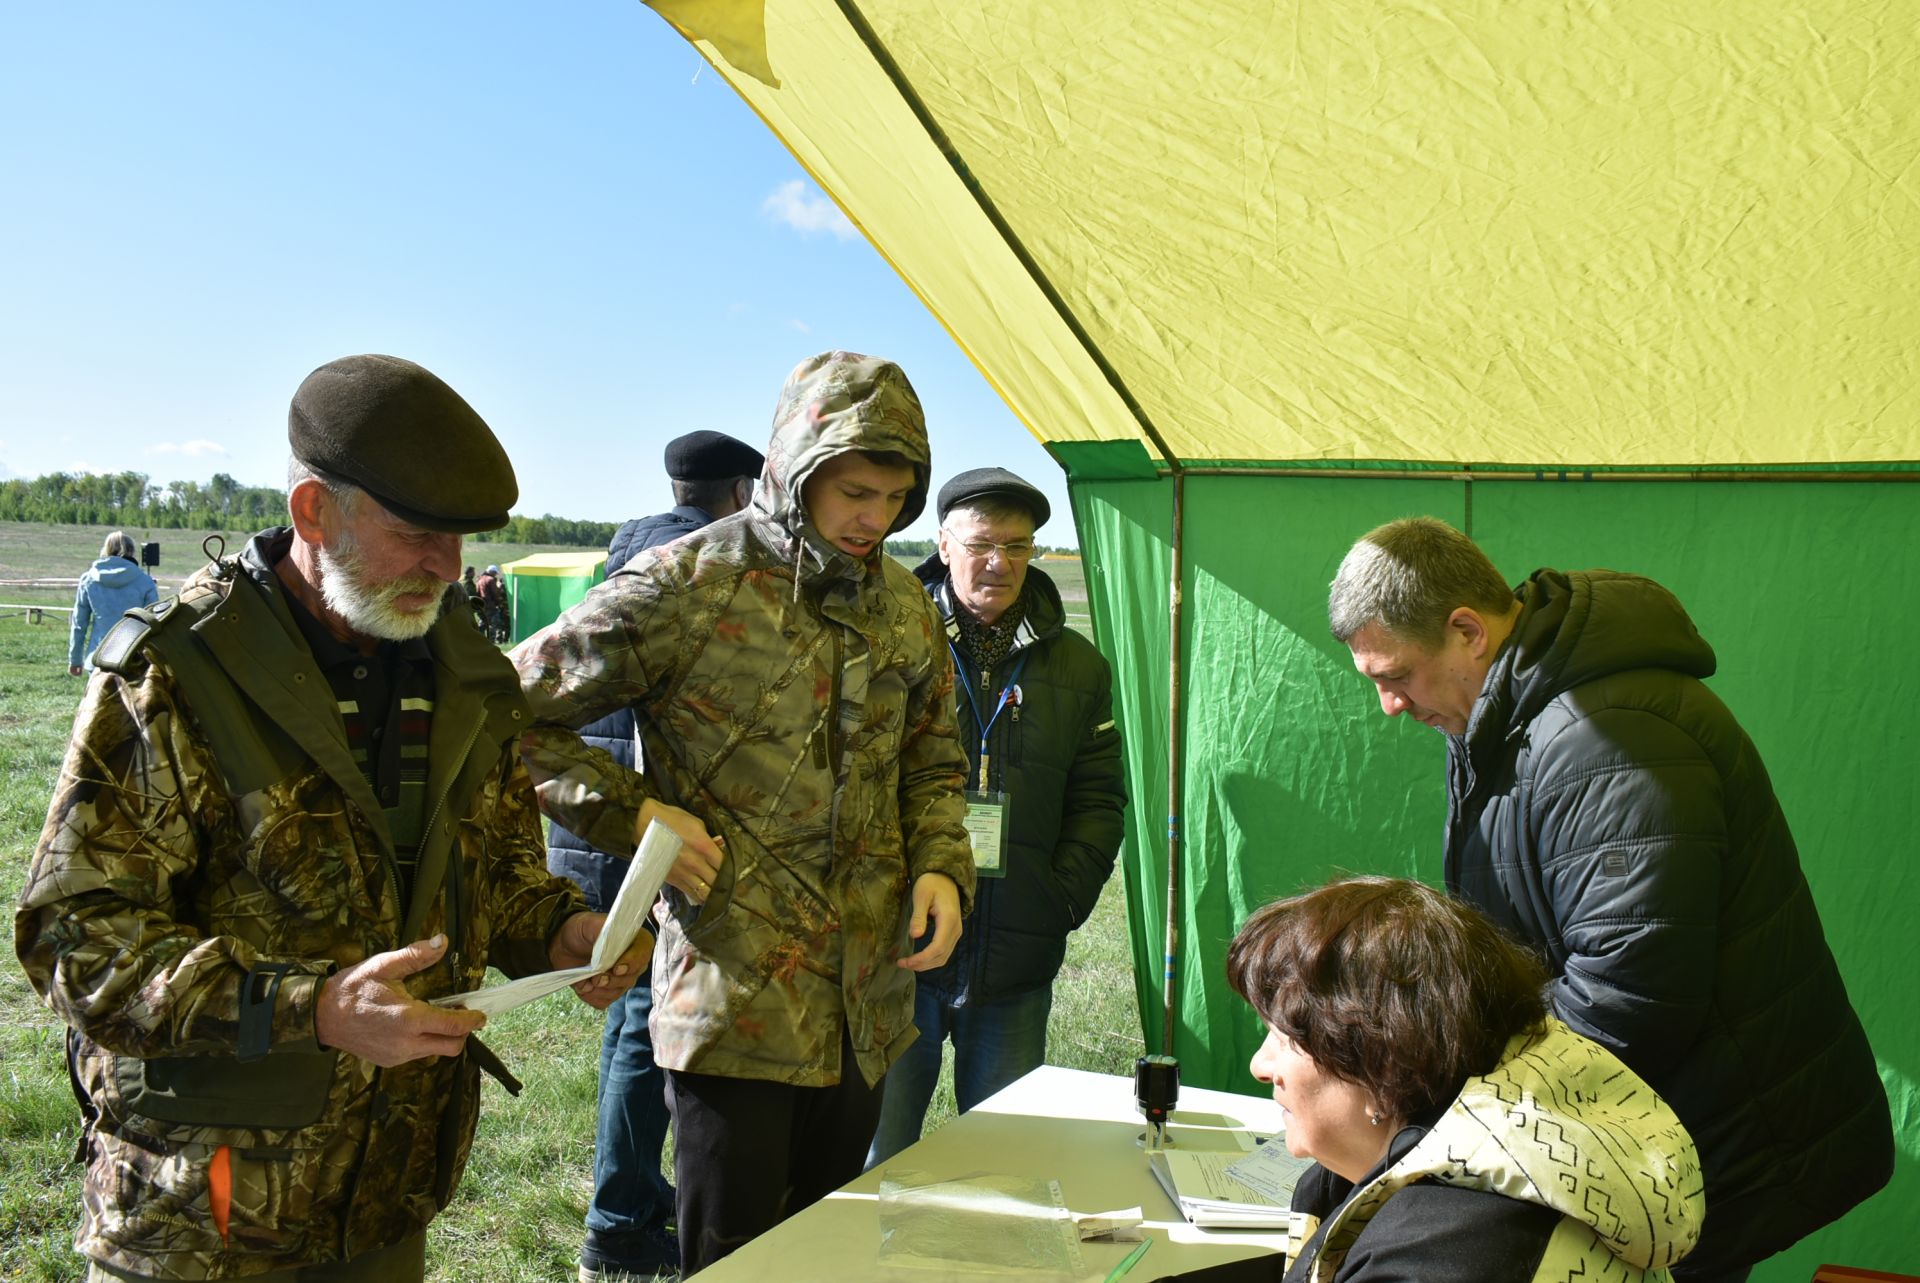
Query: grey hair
(120, 544)
(345, 493)
(1409, 576)
(990, 507)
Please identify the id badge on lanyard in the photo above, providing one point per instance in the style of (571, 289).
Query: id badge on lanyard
(987, 808)
(987, 830)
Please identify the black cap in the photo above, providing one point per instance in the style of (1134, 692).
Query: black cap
(396, 431)
(711, 456)
(998, 483)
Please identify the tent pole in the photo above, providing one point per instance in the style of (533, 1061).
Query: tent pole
(990, 209)
(1168, 1007)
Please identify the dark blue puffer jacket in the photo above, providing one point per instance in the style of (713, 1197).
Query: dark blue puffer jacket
(596, 873)
(651, 532)
(1605, 807)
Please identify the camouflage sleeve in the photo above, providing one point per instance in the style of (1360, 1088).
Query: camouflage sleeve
(527, 903)
(103, 928)
(593, 660)
(933, 773)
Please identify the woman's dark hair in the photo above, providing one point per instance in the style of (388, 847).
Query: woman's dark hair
(1389, 985)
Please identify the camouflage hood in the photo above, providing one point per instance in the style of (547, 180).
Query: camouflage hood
(833, 403)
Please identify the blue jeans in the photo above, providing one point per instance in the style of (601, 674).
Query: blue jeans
(629, 1193)
(993, 1044)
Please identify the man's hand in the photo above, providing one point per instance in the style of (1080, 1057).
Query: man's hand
(934, 896)
(365, 1010)
(572, 946)
(698, 863)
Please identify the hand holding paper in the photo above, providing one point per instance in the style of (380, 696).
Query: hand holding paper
(573, 946)
(616, 938)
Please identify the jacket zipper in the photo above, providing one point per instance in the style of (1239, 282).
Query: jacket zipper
(453, 944)
(456, 926)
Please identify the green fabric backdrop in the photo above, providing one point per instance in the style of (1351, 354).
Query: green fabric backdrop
(1808, 591)
(537, 599)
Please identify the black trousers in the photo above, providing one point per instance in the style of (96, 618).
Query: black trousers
(748, 1154)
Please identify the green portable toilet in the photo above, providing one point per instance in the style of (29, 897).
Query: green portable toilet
(542, 585)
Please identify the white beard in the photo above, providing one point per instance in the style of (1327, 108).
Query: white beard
(368, 608)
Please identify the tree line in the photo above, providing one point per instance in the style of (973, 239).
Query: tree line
(133, 499)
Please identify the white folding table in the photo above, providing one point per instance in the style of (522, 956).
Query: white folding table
(1081, 1129)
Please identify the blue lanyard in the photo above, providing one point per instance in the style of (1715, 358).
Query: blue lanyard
(1006, 697)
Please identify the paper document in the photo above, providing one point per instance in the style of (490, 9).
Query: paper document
(1270, 1171)
(1204, 1186)
(659, 847)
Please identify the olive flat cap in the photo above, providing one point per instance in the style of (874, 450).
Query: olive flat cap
(711, 456)
(998, 483)
(396, 431)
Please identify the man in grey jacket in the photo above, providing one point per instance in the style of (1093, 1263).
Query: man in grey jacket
(1604, 807)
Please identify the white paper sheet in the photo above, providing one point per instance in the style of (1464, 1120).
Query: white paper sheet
(659, 847)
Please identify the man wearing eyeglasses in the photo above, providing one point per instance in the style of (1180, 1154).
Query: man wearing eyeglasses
(1045, 796)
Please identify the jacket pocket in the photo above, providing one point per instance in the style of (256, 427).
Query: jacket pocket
(285, 1091)
(205, 1198)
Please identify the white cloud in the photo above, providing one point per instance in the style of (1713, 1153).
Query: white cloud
(197, 448)
(800, 325)
(806, 210)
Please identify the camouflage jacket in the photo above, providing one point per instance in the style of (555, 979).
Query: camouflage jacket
(800, 702)
(211, 855)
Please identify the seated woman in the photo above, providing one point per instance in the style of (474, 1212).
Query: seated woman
(1458, 1131)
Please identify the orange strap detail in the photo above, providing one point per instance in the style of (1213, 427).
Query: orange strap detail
(220, 1188)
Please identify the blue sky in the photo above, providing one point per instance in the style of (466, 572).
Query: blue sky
(559, 208)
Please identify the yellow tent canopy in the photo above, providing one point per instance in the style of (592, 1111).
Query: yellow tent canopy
(1494, 231)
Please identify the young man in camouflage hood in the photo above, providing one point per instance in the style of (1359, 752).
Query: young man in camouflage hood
(796, 710)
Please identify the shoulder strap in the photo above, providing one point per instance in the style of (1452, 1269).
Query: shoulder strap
(249, 750)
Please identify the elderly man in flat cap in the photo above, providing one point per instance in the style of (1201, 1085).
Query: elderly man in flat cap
(794, 693)
(1045, 790)
(292, 811)
(629, 1220)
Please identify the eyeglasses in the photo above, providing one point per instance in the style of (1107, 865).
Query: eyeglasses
(1018, 550)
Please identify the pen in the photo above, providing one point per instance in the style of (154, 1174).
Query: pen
(1132, 1259)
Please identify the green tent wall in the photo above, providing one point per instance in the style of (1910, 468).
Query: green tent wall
(1808, 591)
(542, 585)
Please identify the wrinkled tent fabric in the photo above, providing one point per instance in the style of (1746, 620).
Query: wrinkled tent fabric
(1505, 236)
(543, 584)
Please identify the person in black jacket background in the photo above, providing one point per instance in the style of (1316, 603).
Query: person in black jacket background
(1045, 773)
(627, 1221)
(1607, 809)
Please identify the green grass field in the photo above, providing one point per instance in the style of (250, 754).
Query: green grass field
(518, 1213)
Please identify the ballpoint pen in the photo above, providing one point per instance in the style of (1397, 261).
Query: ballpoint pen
(1132, 1259)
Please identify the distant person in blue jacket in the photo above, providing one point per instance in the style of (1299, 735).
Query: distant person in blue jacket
(627, 1231)
(113, 585)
